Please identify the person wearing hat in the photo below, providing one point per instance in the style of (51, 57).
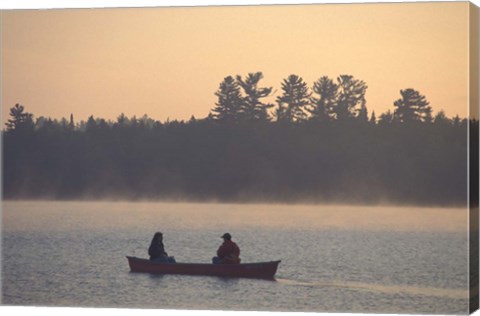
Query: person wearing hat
(157, 252)
(228, 252)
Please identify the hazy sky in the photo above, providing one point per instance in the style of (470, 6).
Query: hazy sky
(168, 62)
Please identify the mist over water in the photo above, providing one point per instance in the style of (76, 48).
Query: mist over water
(97, 214)
(334, 258)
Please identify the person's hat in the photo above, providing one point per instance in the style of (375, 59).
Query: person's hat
(227, 236)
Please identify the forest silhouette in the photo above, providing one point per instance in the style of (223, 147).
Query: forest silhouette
(315, 145)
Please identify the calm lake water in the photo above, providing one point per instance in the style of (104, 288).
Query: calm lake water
(334, 258)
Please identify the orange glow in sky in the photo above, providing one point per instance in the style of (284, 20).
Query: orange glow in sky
(168, 62)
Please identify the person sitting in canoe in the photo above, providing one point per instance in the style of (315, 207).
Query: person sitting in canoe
(228, 252)
(157, 252)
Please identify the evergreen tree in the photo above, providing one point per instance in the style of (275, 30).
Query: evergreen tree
(442, 119)
(146, 122)
(91, 123)
(134, 121)
(20, 120)
(228, 108)
(253, 109)
(363, 113)
(456, 121)
(64, 123)
(122, 120)
(351, 95)
(386, 118)
(71, 124)
(292, 103)
(373, 118)
(322, 105)
(412, 106)
(428, 118)
(210, 117)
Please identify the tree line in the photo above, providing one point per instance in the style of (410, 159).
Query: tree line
(315, 144)
(240, 99)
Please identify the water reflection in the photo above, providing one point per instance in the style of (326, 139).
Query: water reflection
(380, 288)
(334, 258)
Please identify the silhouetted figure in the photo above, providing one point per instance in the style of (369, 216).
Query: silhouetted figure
(157, 251)
(228, 252)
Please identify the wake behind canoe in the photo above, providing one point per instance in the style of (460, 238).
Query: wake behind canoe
(261, 270)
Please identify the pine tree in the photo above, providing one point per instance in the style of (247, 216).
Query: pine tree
(20, 120)
(91, 123)
(229, 105)
(442, 119)
(412, 106)
(373, 119)
(386, 118)
(351, 94)
(71, 124)
(253, 109)
(322, 105)
(363, 113)
(456, 121)
(122, 120)
(292, 103)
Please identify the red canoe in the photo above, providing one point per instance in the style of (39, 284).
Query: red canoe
(261, 270)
